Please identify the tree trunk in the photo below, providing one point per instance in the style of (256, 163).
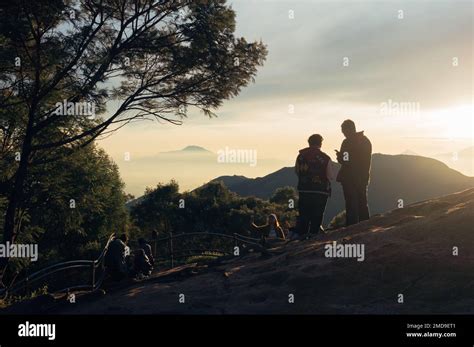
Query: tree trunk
(14, 202)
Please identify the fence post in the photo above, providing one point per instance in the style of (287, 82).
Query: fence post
(93, 275)
(235, 243)
(171, 250)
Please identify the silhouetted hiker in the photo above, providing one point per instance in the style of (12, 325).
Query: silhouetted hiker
(142, 265)
(271, 229)
(314, 171)
(147, 248)
(355, 157)
(115, 259)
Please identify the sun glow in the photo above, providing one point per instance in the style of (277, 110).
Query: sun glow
(454, 123)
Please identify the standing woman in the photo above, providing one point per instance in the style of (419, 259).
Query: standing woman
(271, 229)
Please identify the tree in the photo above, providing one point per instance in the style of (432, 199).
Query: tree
(156, 207)
(284, 195)
(71, 206)
(78, 199)
(209, 208)
(154, 58)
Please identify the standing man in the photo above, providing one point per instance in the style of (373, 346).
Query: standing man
(314, 171)
(355, 158)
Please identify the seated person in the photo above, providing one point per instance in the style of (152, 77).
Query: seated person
(142, 265)
(147, 248)
(115, 258)
(271, 229)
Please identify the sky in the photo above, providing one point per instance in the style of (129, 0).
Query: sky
(402, 70)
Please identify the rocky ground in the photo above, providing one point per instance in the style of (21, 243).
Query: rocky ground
(408, 251)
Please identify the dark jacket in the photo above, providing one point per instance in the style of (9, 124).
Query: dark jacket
(311, 168)
(115, 256)
(356, 169)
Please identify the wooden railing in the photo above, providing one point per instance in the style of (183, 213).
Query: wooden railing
(93, 276)
(169, 248)
(173, 247)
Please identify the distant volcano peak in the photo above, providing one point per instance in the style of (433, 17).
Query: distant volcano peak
(194, 148)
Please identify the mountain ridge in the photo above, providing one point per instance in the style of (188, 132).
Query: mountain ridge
(393, 177)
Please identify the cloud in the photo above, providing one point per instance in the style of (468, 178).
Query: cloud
(403, 60)
(408, 59)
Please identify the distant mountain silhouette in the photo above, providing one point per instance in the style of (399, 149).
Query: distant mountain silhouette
(393, 177)
(190, 166)
(192, 149)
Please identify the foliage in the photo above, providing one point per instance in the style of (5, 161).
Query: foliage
(153, 58)
(210, 208)
(72, 206)
(284, 195)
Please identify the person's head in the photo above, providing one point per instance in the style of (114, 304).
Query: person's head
(124, 238)
(348, 128)
(315, 140)
(273, 220)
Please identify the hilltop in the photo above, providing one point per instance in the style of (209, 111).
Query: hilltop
(408, 251)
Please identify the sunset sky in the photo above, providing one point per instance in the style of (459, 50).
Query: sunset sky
(423, 60)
